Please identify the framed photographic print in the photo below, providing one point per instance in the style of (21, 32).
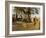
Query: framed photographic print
(24, 18)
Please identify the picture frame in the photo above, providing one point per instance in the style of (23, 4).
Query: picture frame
(10, 32)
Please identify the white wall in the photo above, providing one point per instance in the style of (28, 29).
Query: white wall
(2, 18)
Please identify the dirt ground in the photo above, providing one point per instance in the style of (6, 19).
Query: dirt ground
(25, 26)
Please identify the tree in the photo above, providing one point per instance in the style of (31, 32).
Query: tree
(26, 11)
(29, 14)
(35, 11)
(18, 10)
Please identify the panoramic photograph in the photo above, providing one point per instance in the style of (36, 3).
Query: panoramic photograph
(25, 18)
